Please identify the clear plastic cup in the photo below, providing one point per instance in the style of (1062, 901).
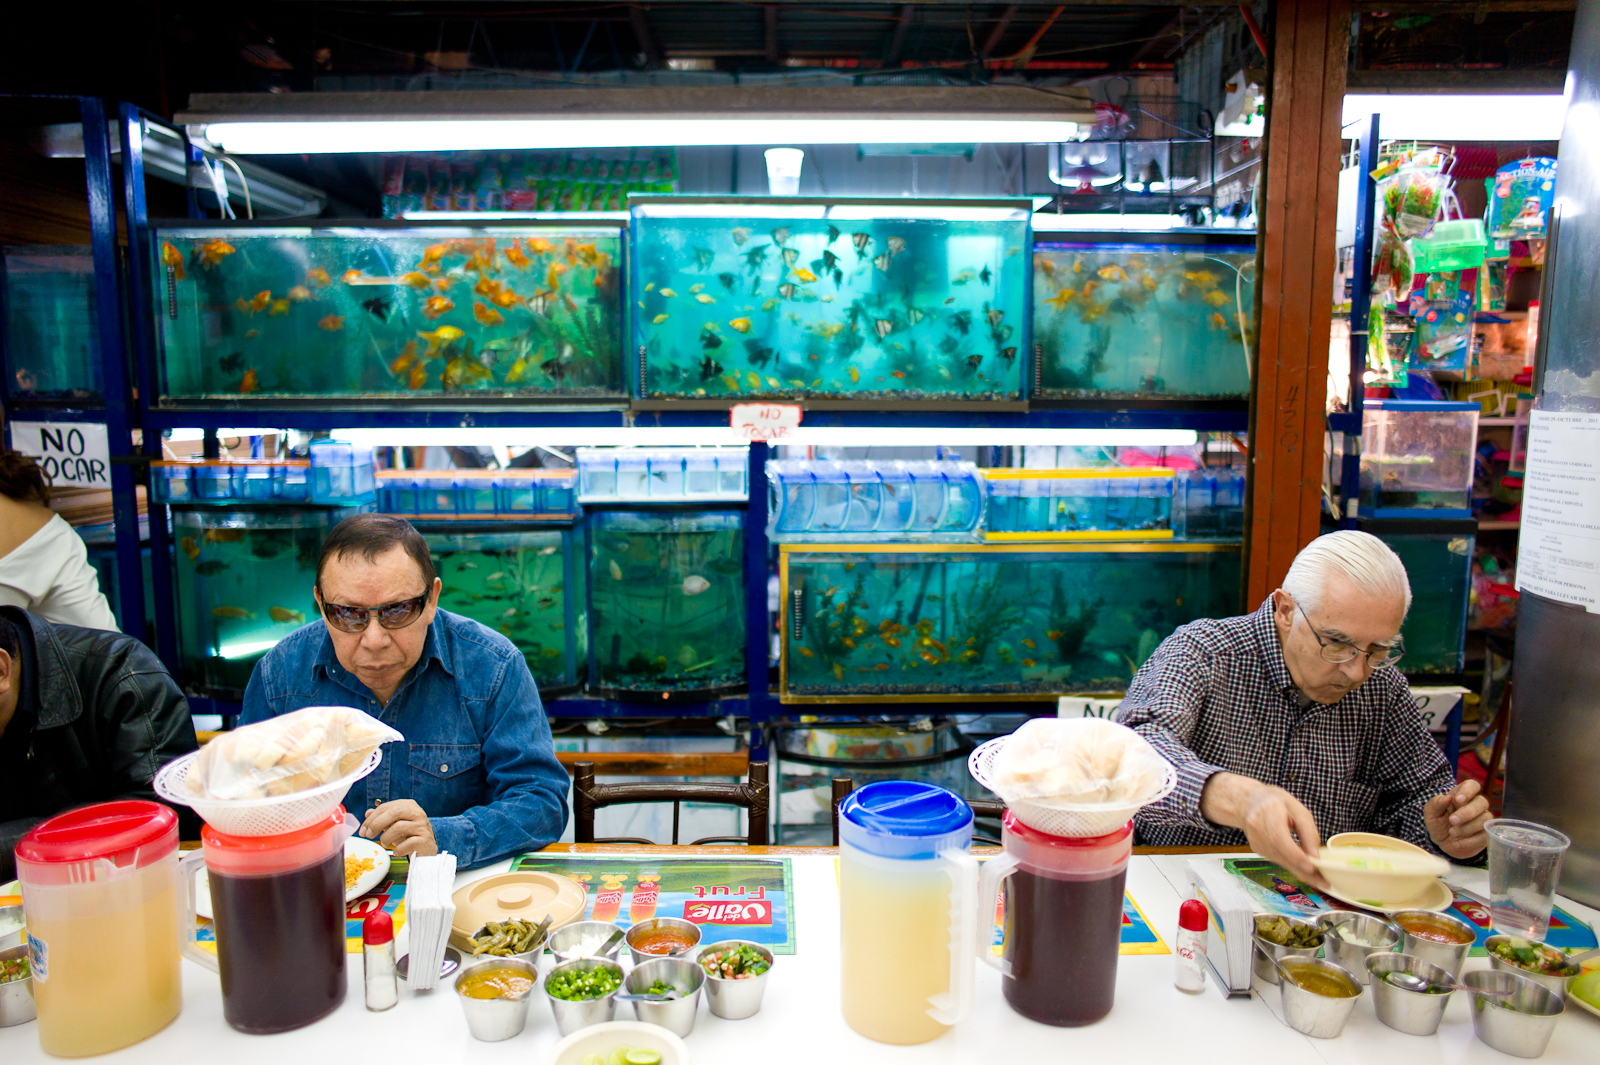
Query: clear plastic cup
(1524, 869)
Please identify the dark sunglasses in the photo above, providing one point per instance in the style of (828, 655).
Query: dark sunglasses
(390, 615)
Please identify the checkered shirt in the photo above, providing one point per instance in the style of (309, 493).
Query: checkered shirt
(1217, 697)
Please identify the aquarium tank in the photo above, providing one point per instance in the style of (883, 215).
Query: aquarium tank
(1079, 504)
(1417, 458)
(52, 338)
(525, 583)
(387, 310)
(1167, 320)
(667, 602)
(244, 582)
(1437, 555)
(866, 300)
(947, 622)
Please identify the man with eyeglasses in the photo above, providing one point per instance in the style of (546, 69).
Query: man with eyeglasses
(477, 774)
(1293, 724)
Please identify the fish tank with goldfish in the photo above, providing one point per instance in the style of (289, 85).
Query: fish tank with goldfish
(667, 602)
(51, 332)
(244, 578)
(525, 583)
(829, 299)
(952, 622)
(384, 311)
(1170, 318)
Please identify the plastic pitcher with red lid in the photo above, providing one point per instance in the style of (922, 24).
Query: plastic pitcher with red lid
(279, 919)
(99, 894)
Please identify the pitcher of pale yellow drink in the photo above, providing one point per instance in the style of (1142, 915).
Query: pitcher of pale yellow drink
(99, 893)
(907, 910)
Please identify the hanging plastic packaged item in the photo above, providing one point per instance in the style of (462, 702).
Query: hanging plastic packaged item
(1415, 193)
(1392, 272)
(1520, 198)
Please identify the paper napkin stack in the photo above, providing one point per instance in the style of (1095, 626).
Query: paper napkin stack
(429, 914)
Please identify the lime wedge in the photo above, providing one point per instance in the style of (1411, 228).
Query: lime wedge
(643, 1057)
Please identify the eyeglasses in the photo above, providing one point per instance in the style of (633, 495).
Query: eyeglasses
(390, 615)
(1337, 652)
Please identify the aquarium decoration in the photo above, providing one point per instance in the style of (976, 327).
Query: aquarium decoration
(829, 299)
(387, 311)
(52, 338)
(526, 584)
(947, 622)
(1148, 321)
(667, 603)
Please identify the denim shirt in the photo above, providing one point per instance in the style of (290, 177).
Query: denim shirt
(477, 755)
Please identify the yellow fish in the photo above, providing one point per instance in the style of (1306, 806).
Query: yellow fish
(538, 245)
(278, 309)
(838, 671)
(445, 334)
(651, 287)
(668, 293)
(435, 306)
(731, 381)
(190, 548)
(231, 612)
(172, 258)
(462, 371)
(1112, 273)
(552, 277)
(487, 315)
(804, 275)
(1148, 282)
(616, 570)
(518, 371)
(658, 319)
(695, 288)
(770, 303)
(300, 294)
(703, 298)
(279, 614)
(1217, 298)
(741, 324)
(1060, 300)
(213, 252)
(754, 378)
(416, 279)
(855, 375)
(1204, 278)
(807, 652)
(318, 276)
(332, 323)
(1030, 663)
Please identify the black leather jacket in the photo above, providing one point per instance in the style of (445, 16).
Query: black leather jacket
(101, 715)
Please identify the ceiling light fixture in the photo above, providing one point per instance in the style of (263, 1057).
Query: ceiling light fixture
(1448, 117)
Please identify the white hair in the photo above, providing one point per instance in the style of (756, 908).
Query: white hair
(1361, 558)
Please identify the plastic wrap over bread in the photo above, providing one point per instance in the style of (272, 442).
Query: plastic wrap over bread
(1084, 760)
(300, 750)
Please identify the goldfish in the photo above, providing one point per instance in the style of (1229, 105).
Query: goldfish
(1060, 300)
(249, 383)
(892, 641)
(213, 252)
(231, 612)
(1044, 265)
(416, 279)
(435, 306)
(224, 536)
(172, 258)
(445, 283)
(278, 308)
(1204, 278)
(804, 275)
(462, 371)
(518, 371)
(282, 615)
(1216, 298)
(300, 294)
(516, 258)
(486, 287)
(260, 301)
(189, 547)
(1148, 283)
(354, 277)
(539, 246)
(332, 322)
(881, 666)
(807, 652)
(318, 276)
(1218, 322)
(487, 315)
(855, 375)
(1028, 662)
(552, 278)
(432, 255)
(848, 642)
(1029, 644)
(445, 334)
(586, 254)
(418, 375)
(1112, 273)
(703, 298)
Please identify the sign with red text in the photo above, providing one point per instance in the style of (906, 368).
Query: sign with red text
(764, 421)
(721, 911)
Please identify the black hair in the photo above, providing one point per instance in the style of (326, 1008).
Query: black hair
(10, 638)
(21, 478)
(370, 535)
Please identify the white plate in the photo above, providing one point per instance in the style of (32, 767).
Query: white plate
(354, 847)
(1575, 1000)
(1436, 897)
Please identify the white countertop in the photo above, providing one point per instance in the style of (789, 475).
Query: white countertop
(800, 1019)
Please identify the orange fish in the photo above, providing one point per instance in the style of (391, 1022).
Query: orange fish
(586, 254)
(416, 279)
(172, 258)
(487, 315)
(332, 323)
(300, 294)
(354, 277)
(261, 300)
(480, 263)
(891, 641)
(407, 356)
(443, 283)
(248, 385)
(486, 287)
(538, 245)
(505, 298)
(418, 375)
(213, 252)
(552, 280)
(318, 276)
(897, 373)
(436, 306)
(515, 257)
(432, 254)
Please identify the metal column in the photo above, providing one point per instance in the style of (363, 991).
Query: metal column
(1350, 423)
(758, 639)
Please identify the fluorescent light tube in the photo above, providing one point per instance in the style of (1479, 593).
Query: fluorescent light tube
(837, 436)
(1446, 117)
(293, 136)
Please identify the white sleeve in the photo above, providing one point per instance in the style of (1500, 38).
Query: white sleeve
(49, 575)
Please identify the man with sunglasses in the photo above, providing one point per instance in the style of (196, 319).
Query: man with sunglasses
(477, 774)
(1293, 724)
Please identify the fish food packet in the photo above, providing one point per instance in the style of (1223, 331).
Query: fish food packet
(1085, 760)
(301, 750)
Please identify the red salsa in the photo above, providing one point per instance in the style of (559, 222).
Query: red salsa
(662, 941)
(1432, 929)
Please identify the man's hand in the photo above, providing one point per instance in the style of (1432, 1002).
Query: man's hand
(1270, 817)
(1455, 820)
(401, 826)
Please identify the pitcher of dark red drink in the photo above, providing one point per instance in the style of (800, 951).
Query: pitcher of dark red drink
(278, 906)
(1063, 920)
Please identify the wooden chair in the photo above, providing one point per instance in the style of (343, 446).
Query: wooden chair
(587, 797)
(843, 786)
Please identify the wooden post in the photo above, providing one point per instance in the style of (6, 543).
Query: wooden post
(582, 802)
(1310, 49)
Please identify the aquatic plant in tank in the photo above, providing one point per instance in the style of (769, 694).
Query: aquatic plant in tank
(526, 584)
(667, 606)
(244, 579)
(51, 332)
(388, 312)
(997, 620)
(829, 299)
(1143, 321)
